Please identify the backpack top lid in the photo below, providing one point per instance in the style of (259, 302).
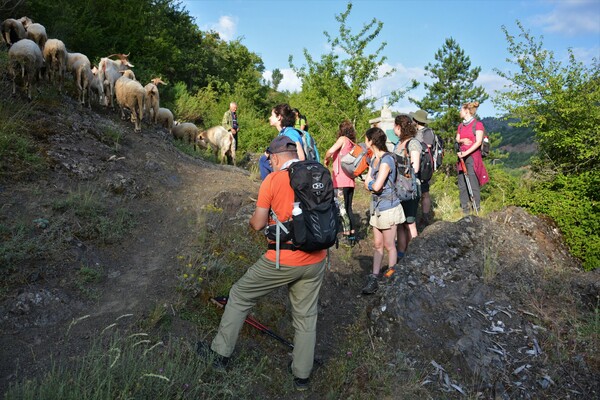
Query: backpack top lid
(312, 184)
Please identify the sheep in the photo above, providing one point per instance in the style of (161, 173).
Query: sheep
(96, 87)
(12, 31)
(74, 58)
(110, 72)
(131, 94)
(88, 82)
(164, 118)
(219, 139)
(35, 32)
(187, 131)
(55, 57)
(27, 56)
(153, 98)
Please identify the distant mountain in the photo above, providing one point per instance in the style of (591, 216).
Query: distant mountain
(512, 137)
(519, 143)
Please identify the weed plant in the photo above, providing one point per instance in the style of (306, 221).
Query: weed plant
(19, 155)
(92, 217)
(121, 364)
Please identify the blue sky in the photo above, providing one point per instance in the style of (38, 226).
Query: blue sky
(414, 31)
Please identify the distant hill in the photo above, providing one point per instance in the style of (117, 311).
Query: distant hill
(511, 136)
(517, 142)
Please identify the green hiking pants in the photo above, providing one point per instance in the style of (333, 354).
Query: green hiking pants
(261, 279)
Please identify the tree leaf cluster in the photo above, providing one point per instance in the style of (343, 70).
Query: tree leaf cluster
(335, 87)
(453, 85)
(559, 101)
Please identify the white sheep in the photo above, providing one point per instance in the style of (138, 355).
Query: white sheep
(218, 138)
(35, 32)
(164, 118)
(55, 56)
(187, 131)
(26, 56)
(153, 98)
(12, 31)
(131, 95)
(96, 88)
(88, 83)
(110, 71)
(78, 65)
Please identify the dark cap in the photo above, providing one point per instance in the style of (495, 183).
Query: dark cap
(280, 144)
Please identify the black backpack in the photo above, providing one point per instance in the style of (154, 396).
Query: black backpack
(316, 228)
(437, 151)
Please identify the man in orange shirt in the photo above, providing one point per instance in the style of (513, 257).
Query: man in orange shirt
(302, 272)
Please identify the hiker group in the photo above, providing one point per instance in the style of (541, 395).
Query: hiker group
(302, 207)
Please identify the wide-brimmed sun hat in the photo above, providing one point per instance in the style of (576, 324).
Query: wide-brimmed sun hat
(420, 116)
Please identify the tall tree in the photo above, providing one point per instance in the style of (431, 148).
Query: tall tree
(335, 87)
(561, 102)
(453, 84)
(276, 78)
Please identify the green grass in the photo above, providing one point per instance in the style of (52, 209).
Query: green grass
(135, 365)
(86, 278)
(112, 137)
(18, 244)
(19, 155)
(91, 218)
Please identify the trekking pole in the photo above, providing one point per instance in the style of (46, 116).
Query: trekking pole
(463, 167)
(221, 302)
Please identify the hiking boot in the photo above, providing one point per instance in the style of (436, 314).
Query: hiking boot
(219, 362)
(371, 286)
(300, 384)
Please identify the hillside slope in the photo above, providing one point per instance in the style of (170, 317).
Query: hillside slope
(97, 237)
(75, 263)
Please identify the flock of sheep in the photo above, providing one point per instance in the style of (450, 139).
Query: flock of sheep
(32, 55)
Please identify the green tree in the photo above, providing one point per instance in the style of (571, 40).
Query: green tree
(560, 102)
(453, 85)
(336, 86)
(276, 78)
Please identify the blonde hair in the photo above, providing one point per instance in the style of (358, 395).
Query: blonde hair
(471, 107)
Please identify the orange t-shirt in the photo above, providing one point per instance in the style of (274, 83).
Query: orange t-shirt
(276, 193)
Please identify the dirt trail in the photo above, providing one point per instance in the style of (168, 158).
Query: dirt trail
(161, 187)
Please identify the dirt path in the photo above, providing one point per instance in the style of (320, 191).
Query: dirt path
(162, 188)
(50, 314)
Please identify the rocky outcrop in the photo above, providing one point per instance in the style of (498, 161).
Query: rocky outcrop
(463, 301)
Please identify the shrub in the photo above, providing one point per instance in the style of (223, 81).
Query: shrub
(572, 202)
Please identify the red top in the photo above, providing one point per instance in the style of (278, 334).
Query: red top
(466, 132)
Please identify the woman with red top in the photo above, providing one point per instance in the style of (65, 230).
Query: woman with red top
(342, 183)
(470, 152)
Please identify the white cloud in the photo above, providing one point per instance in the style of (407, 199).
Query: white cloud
(398, 80)
(571, 17)
(586, 55)
(289, 82)
(492, 82)
(226, 27)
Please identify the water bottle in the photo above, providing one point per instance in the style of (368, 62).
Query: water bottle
(296, 210)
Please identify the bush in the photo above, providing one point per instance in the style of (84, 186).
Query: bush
(572, 202)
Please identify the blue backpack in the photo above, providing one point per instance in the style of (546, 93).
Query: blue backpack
(309, 146)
